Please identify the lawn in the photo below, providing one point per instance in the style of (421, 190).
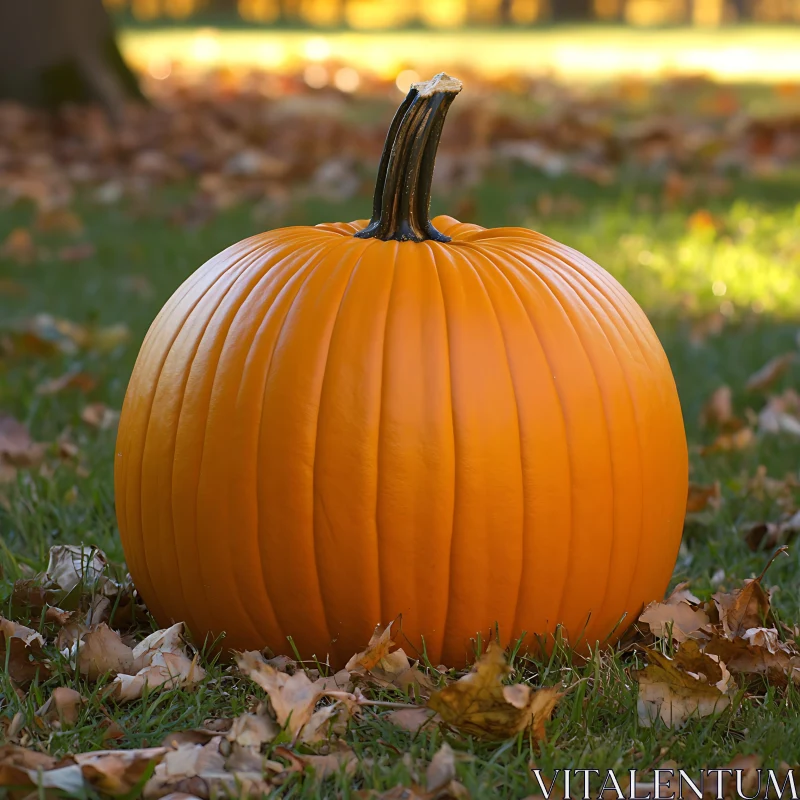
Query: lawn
(717, 272)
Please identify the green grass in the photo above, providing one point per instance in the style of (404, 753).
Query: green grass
(669, 265)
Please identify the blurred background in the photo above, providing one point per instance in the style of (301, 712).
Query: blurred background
(140, 137)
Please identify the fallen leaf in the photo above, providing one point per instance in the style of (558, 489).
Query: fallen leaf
(167, 640)
(702, 497)
(118, 772)
(323, 765)
(20, 766)
(769, 374)
(378, 648)
(72, 565)
(679, 620)
(718, 410)
(743, 608)
(730, 442)
(21, 651)
(441, 770)
(100, 416)
(781, 414)
(63, 706)
(669, 690)
(82, 381)
(292, 697)
(768, 535)
(102, 651)
(480, 704)
(681, 594)
(16, 726)
(169, 670)
(17, 449)
(742, 657)
(747, 607)
(252, 730)
(411, 719)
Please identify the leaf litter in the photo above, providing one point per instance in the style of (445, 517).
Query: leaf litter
(298, 726)
(731, 636)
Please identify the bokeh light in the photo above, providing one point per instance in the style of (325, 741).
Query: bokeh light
(346, 79)
(316, 76)
(405, 79)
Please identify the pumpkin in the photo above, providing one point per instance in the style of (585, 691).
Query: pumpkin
(330, 426)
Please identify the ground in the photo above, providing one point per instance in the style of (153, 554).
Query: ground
(718, 275)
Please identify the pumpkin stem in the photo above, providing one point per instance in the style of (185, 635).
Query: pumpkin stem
(401, 207)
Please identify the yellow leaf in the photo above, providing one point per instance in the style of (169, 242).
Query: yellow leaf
(692, 684)
(480, 704)
(378, 648)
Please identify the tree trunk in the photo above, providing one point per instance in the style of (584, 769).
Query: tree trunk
(57, 51)
(572, 10)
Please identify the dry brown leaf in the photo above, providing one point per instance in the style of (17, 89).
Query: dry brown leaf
(160, 660)
(15, 726)
(394, 669)
(112, 730)
(761, 486)
(167, 640)
(678, 619)
(781, 414)
(742, 657)
(62, 707)
(682, 594)
(252, 730)
(165, 669)
(768, 535)
(293, 697)
(82, 381)
(718, 410)
(702, 497)
(730, 442)
(100, 416)
(411, 719)
(692, 684)
(102, 651)
(21, 650)
(769, 374)
(747, 607)
(17, 449)
(19, 766)
(70, 565)
(323, 766)
(441, 770)
(378, 648)
(193, 759)
(117, 772)
(480, 704)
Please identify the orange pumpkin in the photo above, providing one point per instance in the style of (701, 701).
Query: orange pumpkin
(329, 426)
